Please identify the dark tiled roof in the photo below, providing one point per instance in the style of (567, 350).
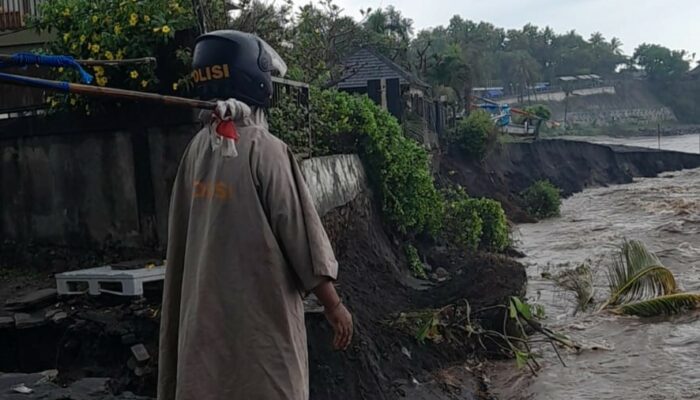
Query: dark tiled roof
(367, 64)
(695, 72)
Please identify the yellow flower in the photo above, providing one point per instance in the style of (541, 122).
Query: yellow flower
(74, 46)
(60, 69)
(144, 83)
(156, 29)
(166, 29)
(99, 71)
(54, 103)
(102, 81)
(175, 86)
(146, 18)
(72, 101)
(82, 39)
(109, 55)
(66, 36)
(94, 19)
(133, 19)
(117, 29)
(66, 12)
(119, 55)
(134, 74)
(95, 48)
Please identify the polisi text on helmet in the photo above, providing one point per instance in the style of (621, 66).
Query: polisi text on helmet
(211, 72)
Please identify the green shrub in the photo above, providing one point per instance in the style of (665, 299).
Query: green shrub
(540, 110)
(288, 121)
(462, 225)
(474, 223)
(106, 29)
(542, 199)
(398, 167)
(472, 134)
(414, 262)
(495, 235)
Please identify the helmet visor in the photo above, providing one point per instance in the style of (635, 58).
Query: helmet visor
(277, 63)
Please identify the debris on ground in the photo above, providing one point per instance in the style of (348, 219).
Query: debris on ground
(31, 300)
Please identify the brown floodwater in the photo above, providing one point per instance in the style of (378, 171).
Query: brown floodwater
(635, 358)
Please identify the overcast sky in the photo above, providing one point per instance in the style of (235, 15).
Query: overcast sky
(672, 23)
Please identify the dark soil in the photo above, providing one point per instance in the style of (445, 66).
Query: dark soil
(572, 166)
(375, 288)
(95, 340)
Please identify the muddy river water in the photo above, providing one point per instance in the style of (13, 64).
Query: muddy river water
(636, 358)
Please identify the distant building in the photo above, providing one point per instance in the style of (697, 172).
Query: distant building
(388, 84)
(495, 92)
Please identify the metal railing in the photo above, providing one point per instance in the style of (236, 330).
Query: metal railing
(14, 13)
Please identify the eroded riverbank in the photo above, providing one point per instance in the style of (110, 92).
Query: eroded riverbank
(647, 358)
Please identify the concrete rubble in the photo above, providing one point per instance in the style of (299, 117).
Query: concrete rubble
(31, 300)
(24, 320)
(42, 385)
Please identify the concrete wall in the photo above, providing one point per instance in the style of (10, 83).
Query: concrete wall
(79, 182)
(334, 180)
(557, 96)
(627, 103)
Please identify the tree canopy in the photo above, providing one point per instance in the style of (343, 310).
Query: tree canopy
(455, 56)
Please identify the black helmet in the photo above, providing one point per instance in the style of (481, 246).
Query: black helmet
(235, 64)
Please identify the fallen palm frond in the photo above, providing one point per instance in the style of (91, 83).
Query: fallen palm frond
(637, 274)
(663, 305)
(641, 285)
(579, 281)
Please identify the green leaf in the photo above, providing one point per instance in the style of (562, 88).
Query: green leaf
(664, 305)
(521, 358)
(425, 329)
(521, 307)
(638, 275)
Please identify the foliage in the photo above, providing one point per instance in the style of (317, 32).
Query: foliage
(398, 167)
(472, 223)
(414, 262)
(103, 29)
(663, 305)
(637, 274)
(495, 235)
(462, 224)
(542, 199)
(515, 58)
(389, 32)
(271, 21)
(579, 281)
(472, 134)
(289, 121)
(641, 285)
(453, 324)
(540, 110)
(661, 63)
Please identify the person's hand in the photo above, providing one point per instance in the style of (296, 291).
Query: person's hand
(341, 321)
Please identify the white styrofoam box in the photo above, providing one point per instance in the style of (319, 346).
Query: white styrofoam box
(105, 279)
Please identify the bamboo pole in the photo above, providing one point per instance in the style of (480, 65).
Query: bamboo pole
(128, 61)
(95, 91)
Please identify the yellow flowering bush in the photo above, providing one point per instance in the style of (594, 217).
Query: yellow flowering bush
(115, 30)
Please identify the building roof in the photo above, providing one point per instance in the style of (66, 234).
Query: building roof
(695, 72)
(367, 64)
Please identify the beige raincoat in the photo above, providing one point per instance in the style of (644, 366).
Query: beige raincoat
(244, 242)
